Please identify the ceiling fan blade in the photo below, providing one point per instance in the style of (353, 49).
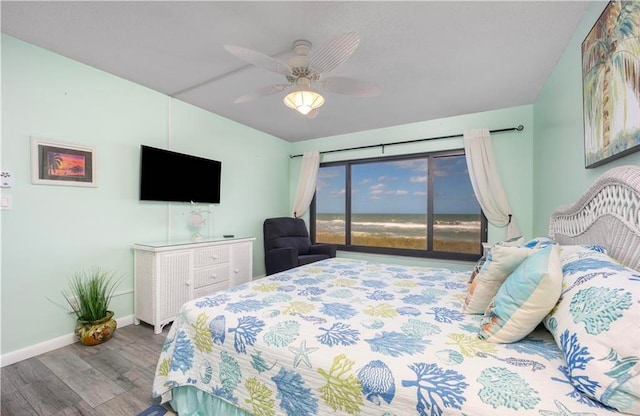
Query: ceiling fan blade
(350, 86)
(262, 92)
(335, 52)
(259, 59)
(313, 113)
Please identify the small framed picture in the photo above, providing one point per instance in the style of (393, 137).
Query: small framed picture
(55, 163)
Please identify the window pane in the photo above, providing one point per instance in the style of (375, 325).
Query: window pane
(330, 205)
(389, 204)
(457, 214)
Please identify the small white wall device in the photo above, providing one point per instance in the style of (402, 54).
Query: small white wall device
(6, 179)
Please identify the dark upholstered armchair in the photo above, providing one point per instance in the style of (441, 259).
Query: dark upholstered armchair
(287, 245)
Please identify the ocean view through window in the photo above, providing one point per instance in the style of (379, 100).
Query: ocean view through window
(418, 205)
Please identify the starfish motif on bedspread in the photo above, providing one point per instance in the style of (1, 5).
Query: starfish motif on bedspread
(563, 411)
(181, 316)
(302, 354)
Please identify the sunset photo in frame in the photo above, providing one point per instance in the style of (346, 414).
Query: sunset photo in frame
(55, 163)
(611, 84)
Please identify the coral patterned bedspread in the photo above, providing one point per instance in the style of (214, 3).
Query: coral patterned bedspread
(352, 337)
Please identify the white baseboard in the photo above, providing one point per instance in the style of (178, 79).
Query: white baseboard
(50, 345)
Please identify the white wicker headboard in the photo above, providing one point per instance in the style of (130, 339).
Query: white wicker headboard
(607, 214)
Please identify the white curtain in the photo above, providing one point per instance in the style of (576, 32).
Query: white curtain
(306, 182)
(486, 182)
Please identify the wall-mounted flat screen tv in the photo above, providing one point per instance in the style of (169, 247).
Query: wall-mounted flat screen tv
(178, 177)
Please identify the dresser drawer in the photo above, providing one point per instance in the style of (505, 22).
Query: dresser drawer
(210, 275)
(209, 290)
(211, 255)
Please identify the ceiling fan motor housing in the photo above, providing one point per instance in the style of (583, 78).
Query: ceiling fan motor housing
(302, 47)
(299, 64)
(302, 72)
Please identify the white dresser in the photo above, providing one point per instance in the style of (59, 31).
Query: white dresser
(168, 274)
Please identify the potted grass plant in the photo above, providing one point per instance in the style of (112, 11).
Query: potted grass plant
(89, 295)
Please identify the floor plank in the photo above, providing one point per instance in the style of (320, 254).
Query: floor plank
(111, 363)
(114, 378)
(80, 409)
(121, 405)
(9, 383)
(28, 371)
(140, 354)
(64, 362)
(136, 379)
(15, 404)
(49, 396)
(94, 387)
(143, 386)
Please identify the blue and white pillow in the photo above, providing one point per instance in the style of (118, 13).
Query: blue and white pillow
(525, 298)
(501, 262)
(596, 324)
(513, 241)
(539, 242)
(575, 252)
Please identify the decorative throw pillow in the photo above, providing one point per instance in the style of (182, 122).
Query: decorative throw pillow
(575, 252)
(523, 300)
(501, 261)
(596, 324)
(477, 268)
(539, 242)
(514, 241)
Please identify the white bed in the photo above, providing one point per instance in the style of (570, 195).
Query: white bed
(352, 337)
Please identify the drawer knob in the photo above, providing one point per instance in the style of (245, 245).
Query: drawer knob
(214, 276)
(236, 271)
(214, 257)
(188, 283)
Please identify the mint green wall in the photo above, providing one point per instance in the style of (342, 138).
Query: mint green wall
(512, 151)
(558, 160)
(254, 174)
(54, 231)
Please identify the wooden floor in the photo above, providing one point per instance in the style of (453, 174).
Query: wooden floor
(111, 379)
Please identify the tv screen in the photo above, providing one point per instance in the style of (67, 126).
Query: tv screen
(178, 177)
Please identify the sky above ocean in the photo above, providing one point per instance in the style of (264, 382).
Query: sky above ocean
(398, 187)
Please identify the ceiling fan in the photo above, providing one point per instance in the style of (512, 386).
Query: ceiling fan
(305, 70)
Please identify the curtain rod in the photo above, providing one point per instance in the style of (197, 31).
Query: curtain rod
(519, 128)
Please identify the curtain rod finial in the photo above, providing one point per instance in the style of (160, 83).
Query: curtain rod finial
(520, 127)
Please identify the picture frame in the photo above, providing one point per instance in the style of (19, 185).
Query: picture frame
(65, 164)
(611, 84)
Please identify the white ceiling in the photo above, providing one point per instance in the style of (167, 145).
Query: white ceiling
(431, 59)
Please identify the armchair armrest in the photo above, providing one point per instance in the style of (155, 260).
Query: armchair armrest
(328, 249)
(280, 259)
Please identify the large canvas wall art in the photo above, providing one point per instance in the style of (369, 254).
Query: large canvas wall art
(611, 84)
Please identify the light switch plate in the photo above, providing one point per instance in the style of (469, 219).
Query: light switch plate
(6, 203)
(6, 179)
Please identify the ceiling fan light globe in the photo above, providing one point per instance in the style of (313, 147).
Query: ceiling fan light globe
(304, 110)
(304, 100)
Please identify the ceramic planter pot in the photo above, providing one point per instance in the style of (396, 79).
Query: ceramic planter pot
(96, 332)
